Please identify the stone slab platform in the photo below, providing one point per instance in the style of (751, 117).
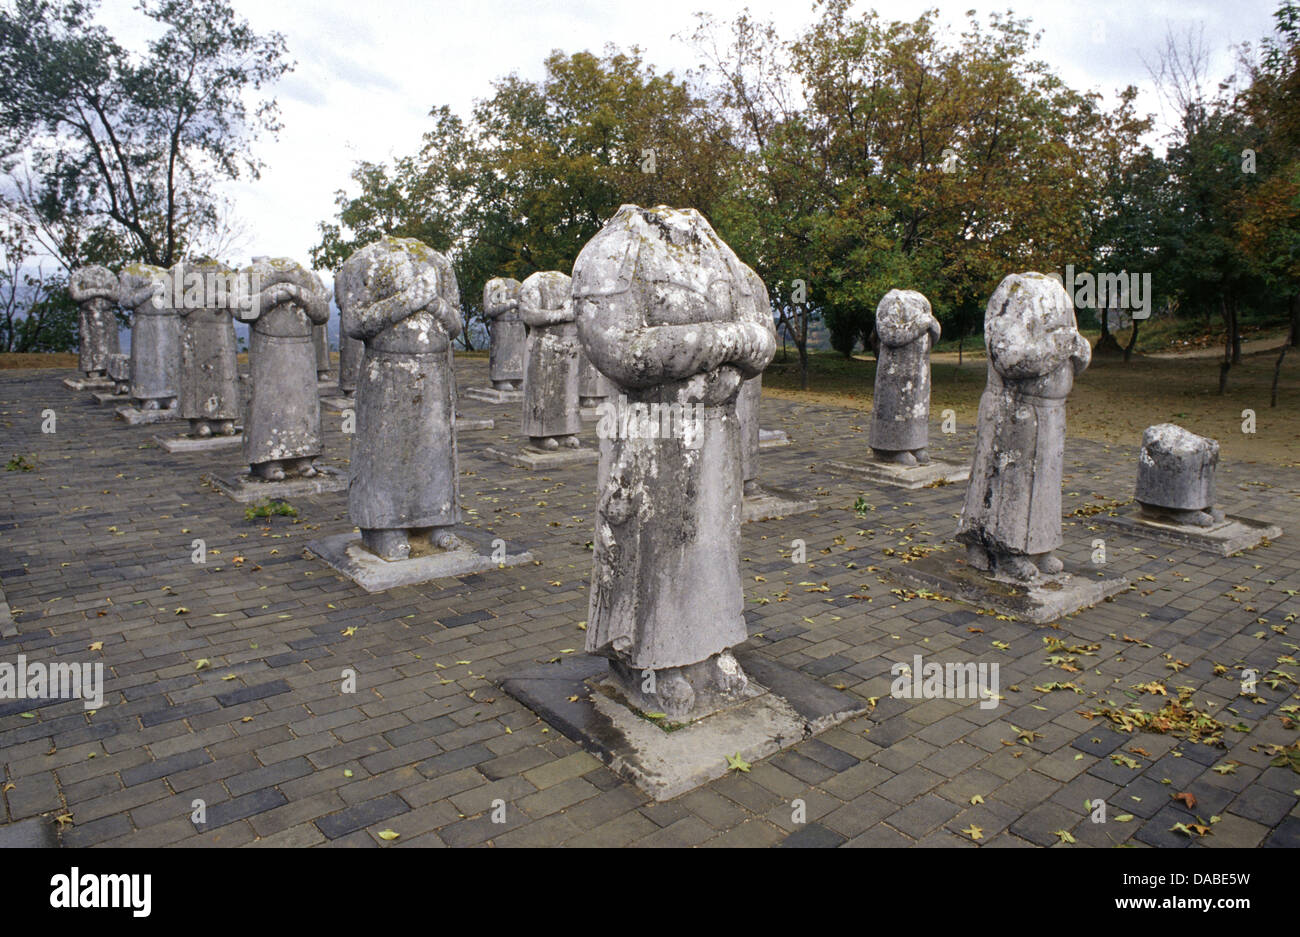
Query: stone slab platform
(88, 383)
(492, 395)
(787, 708)
(344, 553)
(935, 473)
(102, 397)
(1231, 536)
(247, 490)
(138, 417)
(946, 573)
(7, 627)
(200, 443)
(772, 438)
(470, 423)
(769, 503)
(535, 459)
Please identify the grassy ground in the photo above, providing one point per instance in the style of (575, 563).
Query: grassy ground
(1112, 401)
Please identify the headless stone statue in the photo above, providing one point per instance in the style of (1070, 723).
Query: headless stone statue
(155, 337)
(95, 291)
(282, 432)
(320, 339)
(350, 352)
(400, 299)
(119, 372)
(667, 312)
(508, 339)
(1011, 520)
(209, 396)
(592, 385)
(900, 408)
(751, 393)
(1175, 480)
(551, 414)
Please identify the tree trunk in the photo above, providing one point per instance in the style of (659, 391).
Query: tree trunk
(1226, 364)
(1132, 342)
(1292, 340)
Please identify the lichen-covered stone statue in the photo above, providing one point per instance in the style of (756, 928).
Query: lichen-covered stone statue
(95, 291)
(400, 298)
(209, 396)
(155, 337)
(282, 435)
(900, 407)
(508, 339)
(118, 368)
(593, 387)
(751, 392)
(1011, 521)
(667, 312)
(350, 352)
(551, 414)
(1175, 481)
(320, 339)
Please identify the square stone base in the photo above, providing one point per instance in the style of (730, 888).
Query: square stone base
(246, 490)
(137, 417)
(934, 474)
(200, 443)
(106, 397)
(492, 395)
(946, 572)
(786, 708)
(535, 459)
(772, 438)
(768, 503)
(338, 403)
(326, 385)
(345, 553)
(88, 383)
(1231, 535)
(468, 423)
(7, 627)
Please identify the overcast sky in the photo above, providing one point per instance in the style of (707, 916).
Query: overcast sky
(369, 72)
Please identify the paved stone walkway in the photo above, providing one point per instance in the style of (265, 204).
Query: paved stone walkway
(96, 546)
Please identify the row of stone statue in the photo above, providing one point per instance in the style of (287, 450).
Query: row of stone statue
(667, 314)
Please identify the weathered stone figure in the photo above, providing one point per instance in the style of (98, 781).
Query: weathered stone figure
(551, 415)
(282, 430)
(1011, 521)
(593, 387)
(320, 339)
(155, 337)
(209, 396)
(95, 291)
(667, 312)
(400, 298)
(900, 407)
(751, 391)
(1175, 481)
(350, 352)
(507, 346)
(118, 368)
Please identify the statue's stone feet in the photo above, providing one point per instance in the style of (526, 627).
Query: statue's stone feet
(1049, 564)
(978, 558)
(547, 443)
(202, 429)
(922, 456)
(674, 693)
(445, 539)
(1187, 517)
(570, 442)
(268, 471)
(751, 488)
(226, 427)
(149, 405)
(306, 468)
(901, 457)
(389, 543)
(1016, 566)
